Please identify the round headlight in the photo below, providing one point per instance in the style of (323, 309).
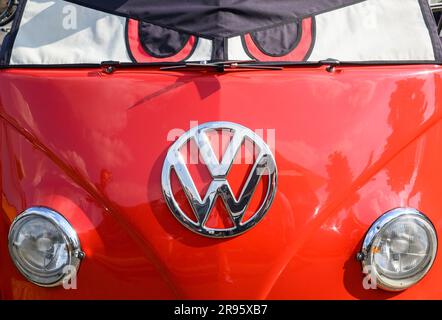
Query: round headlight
(399, 249)
(42, 244)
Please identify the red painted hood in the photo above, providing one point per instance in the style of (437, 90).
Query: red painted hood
(350, 145)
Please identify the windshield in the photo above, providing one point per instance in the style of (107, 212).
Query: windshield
(170, 32)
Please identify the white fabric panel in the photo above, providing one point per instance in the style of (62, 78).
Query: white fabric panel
(235, 50)
(203, 50)
(58, 32)
(374, 30)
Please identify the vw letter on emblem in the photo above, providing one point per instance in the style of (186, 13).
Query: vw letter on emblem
(219, 187)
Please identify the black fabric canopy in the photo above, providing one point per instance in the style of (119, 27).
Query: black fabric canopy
(216, 18)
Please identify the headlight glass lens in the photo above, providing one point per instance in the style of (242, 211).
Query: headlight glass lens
(42, 244)
(404, 248)
(400, 248)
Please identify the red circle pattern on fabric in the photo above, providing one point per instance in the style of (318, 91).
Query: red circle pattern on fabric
(140, 55)
(297, 54)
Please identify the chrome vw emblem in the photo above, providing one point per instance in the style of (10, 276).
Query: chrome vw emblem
(219, 187)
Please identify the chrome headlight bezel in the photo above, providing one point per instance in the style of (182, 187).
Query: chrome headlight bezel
(70, 237)
(376, 230)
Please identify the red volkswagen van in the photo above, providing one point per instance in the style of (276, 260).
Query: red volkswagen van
(171, 149)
